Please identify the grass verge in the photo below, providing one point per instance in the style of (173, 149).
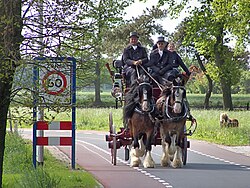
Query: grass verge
(208, 128)
(19, 172)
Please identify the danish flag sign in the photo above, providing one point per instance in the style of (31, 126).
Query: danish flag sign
(55, 78)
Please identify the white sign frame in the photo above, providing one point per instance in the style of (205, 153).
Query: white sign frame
(55, 80)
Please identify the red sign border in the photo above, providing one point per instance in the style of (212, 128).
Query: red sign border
(44, 83)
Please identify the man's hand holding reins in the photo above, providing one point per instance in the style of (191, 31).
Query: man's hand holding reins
(138, 62)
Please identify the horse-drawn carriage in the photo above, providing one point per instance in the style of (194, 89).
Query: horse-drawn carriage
(151, 116)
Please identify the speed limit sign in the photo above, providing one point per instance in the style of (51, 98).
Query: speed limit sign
(55, 81)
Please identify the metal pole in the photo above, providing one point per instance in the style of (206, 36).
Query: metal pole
(40, 110)
(40, 133)
(35, 95)
(73, 103)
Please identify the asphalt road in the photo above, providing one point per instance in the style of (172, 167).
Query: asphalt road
(208, 165)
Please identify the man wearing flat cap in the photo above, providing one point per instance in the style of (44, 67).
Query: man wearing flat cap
(159, 60)
(133, 55)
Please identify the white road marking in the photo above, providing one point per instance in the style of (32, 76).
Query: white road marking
(81, 143)
(220, 159)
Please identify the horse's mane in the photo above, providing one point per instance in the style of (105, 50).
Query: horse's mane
(131, 99)
(182, 81)
(166, 90)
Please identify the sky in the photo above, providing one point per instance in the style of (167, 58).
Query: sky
(137, 8)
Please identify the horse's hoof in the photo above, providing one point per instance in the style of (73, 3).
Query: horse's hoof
(135, 163)
(148, 163)
(165, 163)
(177, 164)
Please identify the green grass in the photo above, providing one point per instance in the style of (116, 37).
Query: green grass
(86, 99)
(208, 128)
(19, 172)
(216, 101)
(208, 121)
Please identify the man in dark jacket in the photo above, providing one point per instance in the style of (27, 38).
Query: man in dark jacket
(159, 61)
(133, 55)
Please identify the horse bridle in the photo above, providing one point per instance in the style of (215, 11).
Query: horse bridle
(144, 91)
(170, 117)
(176, 93)
(145, 98)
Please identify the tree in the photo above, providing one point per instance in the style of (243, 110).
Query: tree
(24, 35)
(180, 37)
(10, 39)
(209, 29)
(109, 36)
(102, 16)
(146, 25)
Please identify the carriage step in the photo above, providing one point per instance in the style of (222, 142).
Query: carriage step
(118, 145)
(108, 138)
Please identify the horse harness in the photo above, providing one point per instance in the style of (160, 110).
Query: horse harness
(167, 115)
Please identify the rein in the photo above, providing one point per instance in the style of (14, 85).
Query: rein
(158, 84)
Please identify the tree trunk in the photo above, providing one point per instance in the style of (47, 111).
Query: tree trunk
(208, 93)
(227, 99)
(210, 82)
(98, 101)
(4, 106)
(219, 61)
(10, 40)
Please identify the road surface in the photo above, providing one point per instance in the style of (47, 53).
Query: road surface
(208, 165)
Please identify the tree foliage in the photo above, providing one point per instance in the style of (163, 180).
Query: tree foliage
(210, 29)
(146, 25)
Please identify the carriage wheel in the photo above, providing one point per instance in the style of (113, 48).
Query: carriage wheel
(112, 131)
(184, 150)
(110, 122)
(126, 153)
(114, 149)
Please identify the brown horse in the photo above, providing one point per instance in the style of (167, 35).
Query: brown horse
(172, 124)
(138, 112)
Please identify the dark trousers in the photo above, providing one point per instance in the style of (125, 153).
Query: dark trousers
(131, 75)
(171, 74)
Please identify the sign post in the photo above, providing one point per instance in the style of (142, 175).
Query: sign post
(55, 86)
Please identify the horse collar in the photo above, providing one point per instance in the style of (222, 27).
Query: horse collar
(172, 118)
